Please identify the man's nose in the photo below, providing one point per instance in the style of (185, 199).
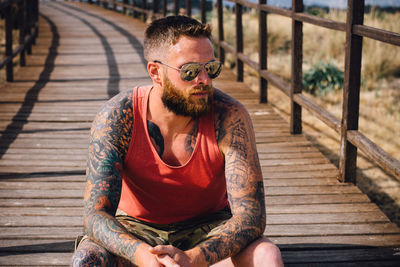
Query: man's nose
(203, 77)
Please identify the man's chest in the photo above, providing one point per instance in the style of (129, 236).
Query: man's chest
(173, 148)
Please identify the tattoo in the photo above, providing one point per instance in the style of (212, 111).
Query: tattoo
(220, 114)
(109, 143)
(156, 137)
(90, 254)
(190, 140)
(238, 155)
(235, 137)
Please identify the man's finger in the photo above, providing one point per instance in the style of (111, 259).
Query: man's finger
(162, 249)
(166, 260)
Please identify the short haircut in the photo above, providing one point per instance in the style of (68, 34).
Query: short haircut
(165, 32)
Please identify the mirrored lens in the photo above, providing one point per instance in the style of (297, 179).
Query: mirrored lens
(213, 69)
(190, 71)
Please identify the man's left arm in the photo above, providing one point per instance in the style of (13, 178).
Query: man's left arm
(244, 186)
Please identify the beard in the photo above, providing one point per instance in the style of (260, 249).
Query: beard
(181, 102)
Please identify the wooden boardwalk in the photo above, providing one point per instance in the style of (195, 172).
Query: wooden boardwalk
(83, 56)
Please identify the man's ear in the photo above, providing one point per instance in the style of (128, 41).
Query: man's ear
(154, 71)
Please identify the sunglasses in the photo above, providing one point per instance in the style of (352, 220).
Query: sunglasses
(190, 71)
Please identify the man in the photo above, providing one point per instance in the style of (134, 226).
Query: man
(173, 173)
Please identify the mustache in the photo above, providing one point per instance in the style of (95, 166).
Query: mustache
(201, 88)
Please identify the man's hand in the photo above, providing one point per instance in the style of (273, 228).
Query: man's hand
(145, 258)
(171, 256)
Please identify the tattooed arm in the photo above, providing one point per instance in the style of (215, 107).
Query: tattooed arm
(236, 140)
(109, 143)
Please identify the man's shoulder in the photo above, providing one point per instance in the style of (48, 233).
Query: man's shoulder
(122, 96)
(224, 103)
(227, 112)
(119, 105)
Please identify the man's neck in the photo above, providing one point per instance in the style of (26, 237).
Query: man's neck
(163, 117)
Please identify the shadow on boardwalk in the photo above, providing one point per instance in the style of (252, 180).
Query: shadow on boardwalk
(85, 55)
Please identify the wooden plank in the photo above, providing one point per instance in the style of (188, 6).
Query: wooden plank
(45, 151)
(304, 174)
(49, 221)
(41, 185)
(80, 157)
(315, 199)
(313, 190)
(339, 241)
(325, 218)
(31, 202)
(35, 259)
(288, 162)
(34, 163)
(55, 233)
(328, 229)
(49, 194)
(299, 168)
(323, 208)
(38, 246)
(362, 256)
(300, 182)
(39, 211)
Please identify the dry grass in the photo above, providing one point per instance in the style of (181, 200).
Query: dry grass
(379, 99)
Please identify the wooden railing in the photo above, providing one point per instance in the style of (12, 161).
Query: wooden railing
(347, 127)
(23, 15)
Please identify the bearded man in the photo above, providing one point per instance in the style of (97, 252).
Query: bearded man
(173, 173)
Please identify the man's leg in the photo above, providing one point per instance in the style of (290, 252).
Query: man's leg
(262, 252)
(90, 254)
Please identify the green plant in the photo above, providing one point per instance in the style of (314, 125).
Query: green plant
(322, 78)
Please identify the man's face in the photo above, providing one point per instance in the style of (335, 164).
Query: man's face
(188, 98)
(186, 102)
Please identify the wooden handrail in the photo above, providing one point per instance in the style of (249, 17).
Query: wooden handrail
(351, 138)
(27, 18)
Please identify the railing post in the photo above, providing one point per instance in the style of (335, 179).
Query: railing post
(9, 41)
(21, 16)
(105, 4)
(155, 7)
(165, 8)
(220, 14)
(188, 8)
(297, 73)
(263, 50)
(176, 7)
(203, 10)
(135, 13)
(36, 20)
(351, 90)
(239, 41)
(124, 9)
(144, 6)
(28, 27)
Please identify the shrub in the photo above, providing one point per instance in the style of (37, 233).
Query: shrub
(322, 78)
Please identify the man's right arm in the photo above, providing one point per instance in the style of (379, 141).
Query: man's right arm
(109, 143)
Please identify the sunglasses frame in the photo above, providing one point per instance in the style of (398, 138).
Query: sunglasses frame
(202, 65)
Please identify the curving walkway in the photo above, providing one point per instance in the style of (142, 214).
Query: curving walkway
(84, 55)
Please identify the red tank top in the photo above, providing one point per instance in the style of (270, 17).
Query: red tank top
(156, 192)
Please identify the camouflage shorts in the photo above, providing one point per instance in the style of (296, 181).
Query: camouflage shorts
(183, 235)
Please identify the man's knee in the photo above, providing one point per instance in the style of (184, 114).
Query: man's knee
(91, 254)
(261, 252)
(268, 252)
